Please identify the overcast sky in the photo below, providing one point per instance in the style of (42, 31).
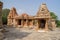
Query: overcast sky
(31, 6)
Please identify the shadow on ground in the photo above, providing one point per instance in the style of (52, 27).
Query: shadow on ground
(13, 34)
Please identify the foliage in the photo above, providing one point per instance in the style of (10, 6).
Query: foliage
(56, 19)
(53, 15)
(5, 13)
(58, 23)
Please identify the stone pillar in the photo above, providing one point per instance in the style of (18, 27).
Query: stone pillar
(22, 23)
(9, 22)
(27, 22)
(37, 25)
(14, 22)
(53, 24)
(46, 25)
(30, 23)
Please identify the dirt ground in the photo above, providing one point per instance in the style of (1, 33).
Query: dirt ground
(30, 34)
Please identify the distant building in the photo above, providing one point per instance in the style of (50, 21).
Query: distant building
(42, 20)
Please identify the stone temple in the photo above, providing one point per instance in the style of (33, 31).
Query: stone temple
(42, 20)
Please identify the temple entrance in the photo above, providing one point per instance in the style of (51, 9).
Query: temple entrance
(29, 22)
(42, 23)
(19, 22)
(24, 22)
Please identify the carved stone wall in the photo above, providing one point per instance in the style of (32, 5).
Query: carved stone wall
(11, 16)
(53, 24)
(43, 12)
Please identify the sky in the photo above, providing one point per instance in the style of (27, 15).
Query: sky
(31, 7)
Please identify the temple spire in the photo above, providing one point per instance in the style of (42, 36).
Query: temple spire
(43, 7)
(12, 12)
(43, 11)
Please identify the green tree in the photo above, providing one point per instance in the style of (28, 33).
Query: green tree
(5, 13)
(54, 16)
(58, 23)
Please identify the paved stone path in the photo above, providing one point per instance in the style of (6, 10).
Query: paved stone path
(27, 34)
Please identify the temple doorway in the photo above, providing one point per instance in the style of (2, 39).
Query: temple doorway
(19, 22)
(29, 22)
(42, 23)
(24, 23)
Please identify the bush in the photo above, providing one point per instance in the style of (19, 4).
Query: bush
(5, 13)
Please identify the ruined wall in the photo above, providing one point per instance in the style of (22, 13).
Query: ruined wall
(10, 18)
(1, 5)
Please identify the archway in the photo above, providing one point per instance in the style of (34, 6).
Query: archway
(19, 21)
(42, 23)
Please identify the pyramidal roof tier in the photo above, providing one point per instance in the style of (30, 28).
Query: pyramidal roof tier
(43, 11)
(12, 12)
(43, 7)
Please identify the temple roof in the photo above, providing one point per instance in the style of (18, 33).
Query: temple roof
(24, 16)
(43, 7)
(43, 11)
(12, 13)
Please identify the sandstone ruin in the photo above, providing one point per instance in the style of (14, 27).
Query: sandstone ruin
(42, 20)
